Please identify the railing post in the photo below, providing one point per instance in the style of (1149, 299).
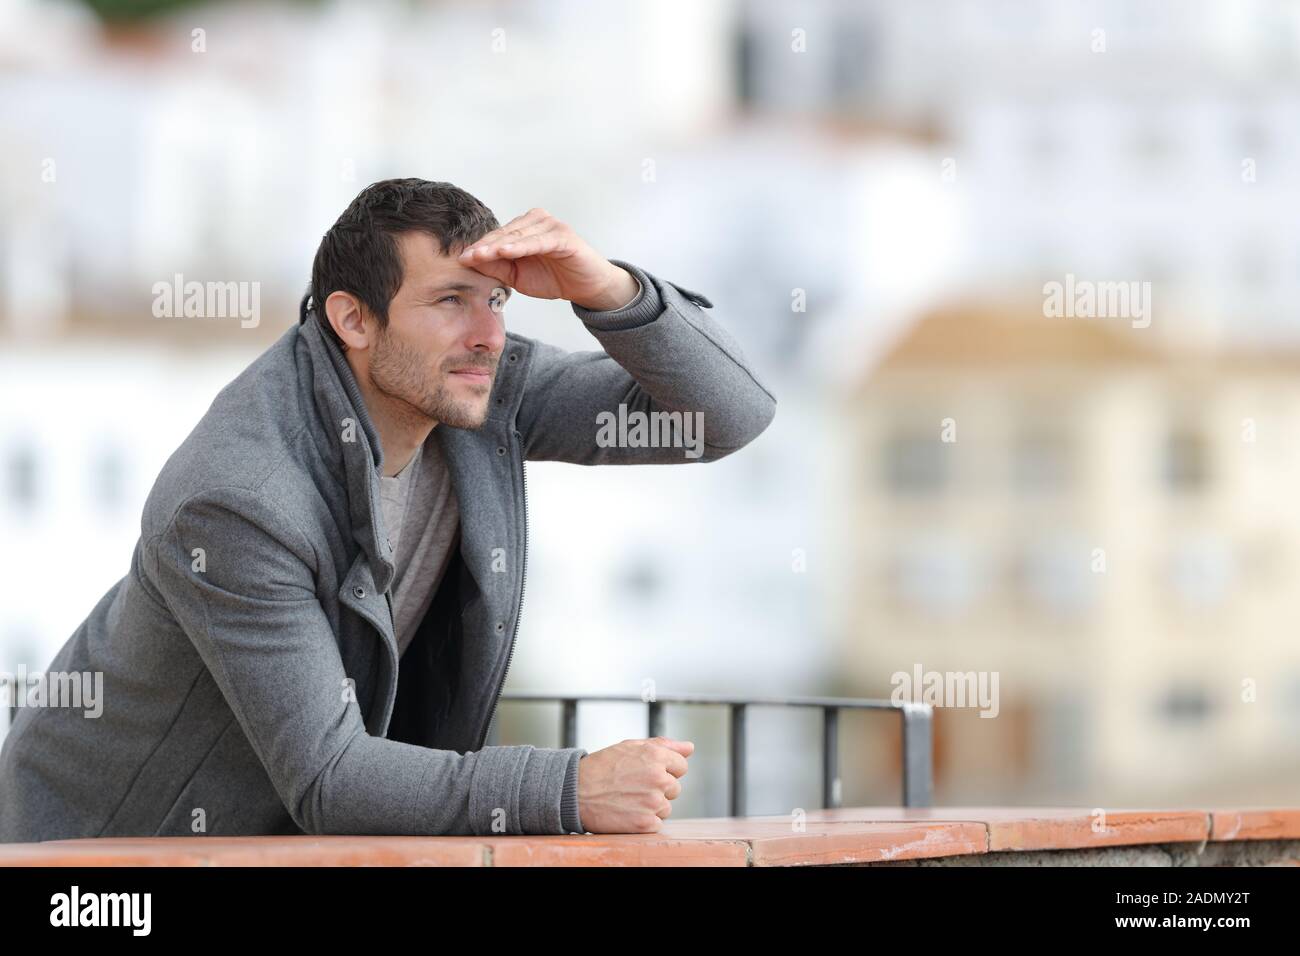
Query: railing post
(830, 757)
(918, 730)
(737, 745)
(654, 719)
(568, 722)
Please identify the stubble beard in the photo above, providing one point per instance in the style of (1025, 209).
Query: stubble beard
(399, 372)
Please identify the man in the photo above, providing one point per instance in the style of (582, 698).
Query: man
(355, 499)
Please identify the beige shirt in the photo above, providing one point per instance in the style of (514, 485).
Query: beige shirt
(422, 520)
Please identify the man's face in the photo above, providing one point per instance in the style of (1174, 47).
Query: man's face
(445, 335)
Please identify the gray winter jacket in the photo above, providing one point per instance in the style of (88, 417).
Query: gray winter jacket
(250, 671)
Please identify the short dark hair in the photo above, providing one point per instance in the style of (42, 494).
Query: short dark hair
(359, 253)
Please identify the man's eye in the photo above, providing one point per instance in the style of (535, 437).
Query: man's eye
(449, 298)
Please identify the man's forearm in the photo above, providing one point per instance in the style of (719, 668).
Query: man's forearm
(662, 352)
(683, 359)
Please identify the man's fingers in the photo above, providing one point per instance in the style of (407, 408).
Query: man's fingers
(513, 236)
(675, 763)
(683, 747)
(674, 753)
(498, 236)
(542, 243)
(520, 224)
(526, 219)
(524, 231)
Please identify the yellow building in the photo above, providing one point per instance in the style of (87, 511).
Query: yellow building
(1108, 523)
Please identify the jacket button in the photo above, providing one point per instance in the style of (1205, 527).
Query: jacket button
(501, 449)
(500, 626)
(514, 357)
(359, 591)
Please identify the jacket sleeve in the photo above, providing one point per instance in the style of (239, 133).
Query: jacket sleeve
(241, 582)
(667, 368)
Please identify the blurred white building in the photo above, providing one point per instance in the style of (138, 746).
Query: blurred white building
(90, 426)
(1113, 140)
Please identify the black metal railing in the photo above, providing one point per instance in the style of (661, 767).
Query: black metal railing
(916, 719)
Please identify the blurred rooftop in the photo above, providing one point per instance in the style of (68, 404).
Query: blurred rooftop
(983, 333)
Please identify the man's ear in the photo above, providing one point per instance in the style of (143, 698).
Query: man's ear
(347, 317)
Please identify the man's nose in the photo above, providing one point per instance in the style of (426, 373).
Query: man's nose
(487, 330)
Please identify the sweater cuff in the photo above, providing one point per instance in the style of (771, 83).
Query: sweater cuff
(569, 817)
(644, 309)
(520, 789)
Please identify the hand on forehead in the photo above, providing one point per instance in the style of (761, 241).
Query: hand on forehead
(425, 266)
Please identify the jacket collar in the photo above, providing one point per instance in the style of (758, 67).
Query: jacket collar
(354, 451)
(348, 441)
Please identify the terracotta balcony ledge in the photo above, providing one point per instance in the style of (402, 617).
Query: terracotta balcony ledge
(863, 835)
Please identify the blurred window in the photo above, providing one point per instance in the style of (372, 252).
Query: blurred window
(1201, 572)
(108, 477)
(1153, 145)
(1187, 460)
(1054, 574)
(746, 66)
(1185, 704)
(639, 578)
(916, 461)
(1043, 461)
(20, 477)
(854, 53)
(935, 575)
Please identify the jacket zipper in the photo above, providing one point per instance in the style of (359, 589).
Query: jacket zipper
(519, 606)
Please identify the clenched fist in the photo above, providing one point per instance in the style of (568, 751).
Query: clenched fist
(627, 788)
